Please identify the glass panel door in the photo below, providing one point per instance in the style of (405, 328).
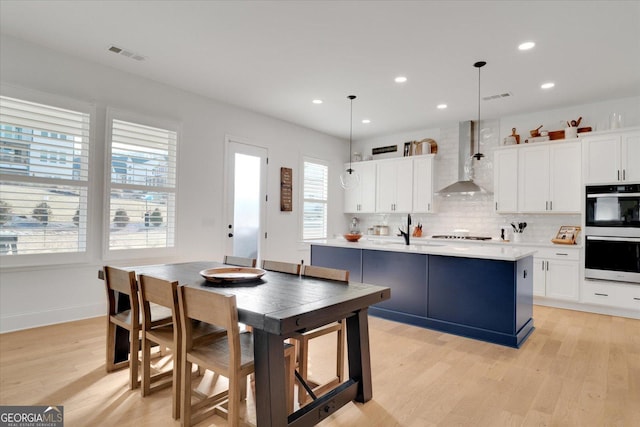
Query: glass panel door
(246, 197)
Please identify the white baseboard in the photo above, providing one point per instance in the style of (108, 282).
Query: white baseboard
(589, 308)
(50, 317)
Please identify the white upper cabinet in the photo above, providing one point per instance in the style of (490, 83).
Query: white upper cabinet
(394, 186)
(549, 178)
(505, 180)
(565, 186)
(533, 182)
(362, 199)
(612, 158)
(630, 152)
(400, 185)
(423, 184)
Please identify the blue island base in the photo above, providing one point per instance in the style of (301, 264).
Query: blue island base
(484, 299)
(494, 337)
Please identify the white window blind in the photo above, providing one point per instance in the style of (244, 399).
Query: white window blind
(315, 193)
(142, 193)
(44, 161)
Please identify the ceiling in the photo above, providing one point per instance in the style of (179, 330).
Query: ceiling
(275, 57)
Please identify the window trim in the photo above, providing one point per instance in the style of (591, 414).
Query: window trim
(309, 159)
(145, 120)
(59, 101)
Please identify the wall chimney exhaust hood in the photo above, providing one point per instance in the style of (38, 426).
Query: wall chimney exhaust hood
(465, 184)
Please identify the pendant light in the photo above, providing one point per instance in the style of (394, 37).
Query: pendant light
(349, 178)
(478, 154)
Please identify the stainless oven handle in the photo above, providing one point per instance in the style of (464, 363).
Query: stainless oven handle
(614, 239)
(616, 195)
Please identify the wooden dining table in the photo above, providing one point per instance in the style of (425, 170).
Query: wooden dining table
(279, 306)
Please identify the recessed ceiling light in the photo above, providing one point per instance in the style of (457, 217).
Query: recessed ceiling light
(442, 106)
(366, 121)
(547, 85)
(401, 79)
(526, 45)
(317, 101)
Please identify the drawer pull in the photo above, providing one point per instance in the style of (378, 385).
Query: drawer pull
(559, 253)
(601, 295)
(636, 298)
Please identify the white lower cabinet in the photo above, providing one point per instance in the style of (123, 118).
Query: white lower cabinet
(612, 294)
(556, 273)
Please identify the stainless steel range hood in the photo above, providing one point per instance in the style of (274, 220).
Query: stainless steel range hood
(464, 185)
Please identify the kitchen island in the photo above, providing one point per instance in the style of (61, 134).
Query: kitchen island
(478, 292)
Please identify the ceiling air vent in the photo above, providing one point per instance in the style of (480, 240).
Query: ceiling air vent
(499, 96)
(127, 53)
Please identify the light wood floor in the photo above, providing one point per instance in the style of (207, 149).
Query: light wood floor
(577, 369)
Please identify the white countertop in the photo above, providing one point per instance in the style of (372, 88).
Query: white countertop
(493, 242)
(442, 247)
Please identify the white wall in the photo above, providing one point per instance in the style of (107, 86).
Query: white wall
(43, 295)
(476, 213)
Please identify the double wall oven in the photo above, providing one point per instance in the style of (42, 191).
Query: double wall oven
(612, 233)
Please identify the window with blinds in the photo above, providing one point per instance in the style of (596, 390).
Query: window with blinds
(142, 186)
(315, 194)
(44, 163)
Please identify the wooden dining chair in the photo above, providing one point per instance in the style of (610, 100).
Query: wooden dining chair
(282, 267)
(165, 293)
(230, 356)
(305, 338)
(239, 261)
(123, 283)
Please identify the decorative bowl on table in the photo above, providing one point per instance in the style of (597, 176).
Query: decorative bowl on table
(351, 237)
(232, 274)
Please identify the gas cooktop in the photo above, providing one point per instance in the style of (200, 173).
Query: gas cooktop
(449, 236)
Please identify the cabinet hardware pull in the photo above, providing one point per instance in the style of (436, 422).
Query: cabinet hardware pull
(624, 174)
(618, 174)
(496, 205)
(550, 205)
(637, 299)
(428, 206)
(546, 205)
(559, 253)
(542, 265)
(547, 265)
(601, 295)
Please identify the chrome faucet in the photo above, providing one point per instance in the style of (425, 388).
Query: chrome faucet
(407, 234)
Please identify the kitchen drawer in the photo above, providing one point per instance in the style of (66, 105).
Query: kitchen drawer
(558, 253)
(611, 294)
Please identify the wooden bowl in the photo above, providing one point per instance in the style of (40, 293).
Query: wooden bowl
(352, 237)
(556, 134)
